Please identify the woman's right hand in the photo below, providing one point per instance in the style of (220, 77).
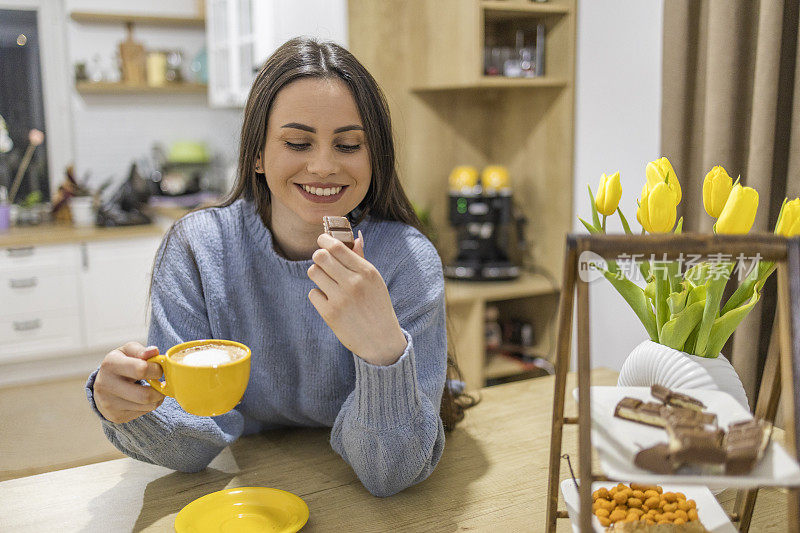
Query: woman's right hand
(118, 396)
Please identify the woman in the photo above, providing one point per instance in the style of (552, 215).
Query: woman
(350, 339)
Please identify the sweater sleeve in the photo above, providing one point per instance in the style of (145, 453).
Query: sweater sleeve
(389, 429)
(169, 436)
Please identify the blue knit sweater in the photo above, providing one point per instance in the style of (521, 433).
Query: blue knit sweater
(220, 277)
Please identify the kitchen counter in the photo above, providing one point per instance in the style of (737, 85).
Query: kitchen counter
(57, 233)
(492, 476)
(25, 236)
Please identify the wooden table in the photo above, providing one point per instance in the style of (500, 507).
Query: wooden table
(492, 477)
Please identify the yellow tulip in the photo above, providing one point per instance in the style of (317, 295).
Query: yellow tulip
(641, 213)
(661, 208)
(739, 213)
(608, 194)
(789, 219)
(658, 171)
(717, 187)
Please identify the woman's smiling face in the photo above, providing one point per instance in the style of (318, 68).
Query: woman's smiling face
(315, 157)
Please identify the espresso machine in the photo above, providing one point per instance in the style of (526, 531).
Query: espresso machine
(482, 215)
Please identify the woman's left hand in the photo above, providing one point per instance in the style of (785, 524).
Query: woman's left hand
(353, 300)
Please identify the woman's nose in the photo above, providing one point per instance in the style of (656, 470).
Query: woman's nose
(322, 163)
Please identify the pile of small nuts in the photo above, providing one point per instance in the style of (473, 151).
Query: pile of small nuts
(642, 503)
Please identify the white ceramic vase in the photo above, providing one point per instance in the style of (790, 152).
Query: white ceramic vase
(651, 363)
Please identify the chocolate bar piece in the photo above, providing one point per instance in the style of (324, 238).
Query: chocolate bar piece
(695, 444)
(656, 414)
(656, 459)
(636, 410)
(676, 399)
(745, 444)
(339, 228)
(678, 416)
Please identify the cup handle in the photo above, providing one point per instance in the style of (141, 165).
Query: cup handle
(161, 386)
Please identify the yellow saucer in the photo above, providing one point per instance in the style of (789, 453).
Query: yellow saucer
(242, 510)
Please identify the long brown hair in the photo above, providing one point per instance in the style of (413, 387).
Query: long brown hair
(385, 199)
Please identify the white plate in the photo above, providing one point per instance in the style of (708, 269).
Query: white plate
(617, 441)
(708, 509)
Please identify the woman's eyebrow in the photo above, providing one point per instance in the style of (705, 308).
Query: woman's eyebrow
(297, 126)
(309, 129)
(348, 128)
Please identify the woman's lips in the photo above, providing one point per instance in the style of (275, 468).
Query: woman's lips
(321, 199)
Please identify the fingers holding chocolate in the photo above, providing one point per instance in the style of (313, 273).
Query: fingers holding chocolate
(353, 299)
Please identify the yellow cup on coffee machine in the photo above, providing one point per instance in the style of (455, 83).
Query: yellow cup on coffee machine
(204, 390)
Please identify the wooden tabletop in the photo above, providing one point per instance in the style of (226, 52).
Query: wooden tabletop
(492, 477)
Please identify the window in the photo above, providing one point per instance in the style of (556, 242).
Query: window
(21, 102)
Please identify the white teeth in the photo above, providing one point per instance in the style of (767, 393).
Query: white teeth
(318, 191)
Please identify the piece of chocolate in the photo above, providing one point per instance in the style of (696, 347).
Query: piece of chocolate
(636, 410)
(678, 416)
(676, 399)
(745, 444)
(339, 228)
(656, 459)
(696, 444)
(656, 414)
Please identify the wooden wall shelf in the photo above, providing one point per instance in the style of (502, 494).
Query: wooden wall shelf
(126, 88)
(497, 82)
(506, 9)
(458, 292)
(113, 18)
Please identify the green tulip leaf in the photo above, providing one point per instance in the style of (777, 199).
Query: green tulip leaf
(754, 281)
(677, 330)
(662, 291)
(725, 325)
(677, 302)
(595, 216)
(650, 289)
(698, 274)
(636, 299)
(674, 276)
(679, 227)
(717, 279)
(625, 225)
(697, 294)
(589, 227)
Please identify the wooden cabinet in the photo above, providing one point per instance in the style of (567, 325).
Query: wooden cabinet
(428, 57)
(242, 34)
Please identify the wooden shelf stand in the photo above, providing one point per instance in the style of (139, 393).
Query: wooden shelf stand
(781, 367)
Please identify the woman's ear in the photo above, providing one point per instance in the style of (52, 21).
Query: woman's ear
(259, 164)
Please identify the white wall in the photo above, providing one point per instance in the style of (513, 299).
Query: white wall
(617, 128)
(109, 131)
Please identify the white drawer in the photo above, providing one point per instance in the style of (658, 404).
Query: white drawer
(42, 334)
(26, 257)
(37, 289)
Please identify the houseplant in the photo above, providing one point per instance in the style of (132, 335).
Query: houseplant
(680, 304)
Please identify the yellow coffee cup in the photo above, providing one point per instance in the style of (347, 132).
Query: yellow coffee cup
(201, 385)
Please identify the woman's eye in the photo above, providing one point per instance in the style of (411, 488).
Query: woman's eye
(298, 146)
(348, 148)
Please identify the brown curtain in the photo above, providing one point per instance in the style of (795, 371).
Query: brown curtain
(731, 97)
